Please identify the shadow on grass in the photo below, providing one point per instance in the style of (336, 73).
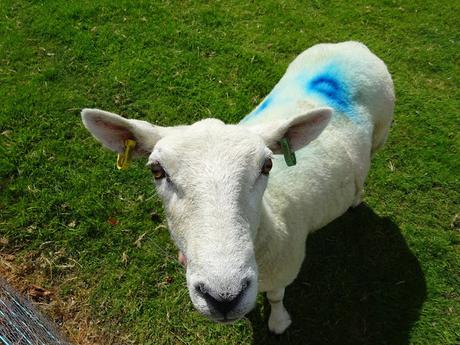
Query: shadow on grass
(360, 284)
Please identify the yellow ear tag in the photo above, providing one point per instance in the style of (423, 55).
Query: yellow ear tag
(124, 158)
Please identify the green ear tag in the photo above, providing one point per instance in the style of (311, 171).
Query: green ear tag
(289, 156)
(124, 158)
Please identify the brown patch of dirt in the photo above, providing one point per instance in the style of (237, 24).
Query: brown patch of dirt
(71, 314)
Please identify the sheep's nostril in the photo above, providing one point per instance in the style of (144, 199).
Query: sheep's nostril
(245, 285)
(223, 302)
(200, 288)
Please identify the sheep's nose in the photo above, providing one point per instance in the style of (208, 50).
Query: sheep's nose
(223, 302)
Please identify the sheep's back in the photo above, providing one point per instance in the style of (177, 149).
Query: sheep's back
(346, 76)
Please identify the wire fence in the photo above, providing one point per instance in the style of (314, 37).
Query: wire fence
(21, 323)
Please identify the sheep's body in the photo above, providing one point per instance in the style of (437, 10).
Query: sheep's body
(330, 171)
(239, 228)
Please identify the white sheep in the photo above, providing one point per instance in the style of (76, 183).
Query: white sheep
(240, 227)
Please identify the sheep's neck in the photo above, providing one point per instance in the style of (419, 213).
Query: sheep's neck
(269, 242)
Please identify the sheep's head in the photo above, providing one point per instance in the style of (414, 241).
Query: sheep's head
(211, 177)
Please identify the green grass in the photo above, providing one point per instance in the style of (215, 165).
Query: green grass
(385, 273)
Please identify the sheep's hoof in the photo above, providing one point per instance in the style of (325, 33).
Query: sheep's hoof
(279, 322)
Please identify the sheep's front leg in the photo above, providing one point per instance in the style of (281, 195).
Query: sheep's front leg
(279, 317)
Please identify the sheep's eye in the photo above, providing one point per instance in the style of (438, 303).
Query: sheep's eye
(268, 164)
(157, 171)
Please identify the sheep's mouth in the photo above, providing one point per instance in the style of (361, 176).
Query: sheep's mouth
(219, 318)
(227, 320)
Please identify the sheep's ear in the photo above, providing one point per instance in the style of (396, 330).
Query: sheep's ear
(299, 130)
(112, 130)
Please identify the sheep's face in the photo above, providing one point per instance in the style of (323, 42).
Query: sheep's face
(212, 178)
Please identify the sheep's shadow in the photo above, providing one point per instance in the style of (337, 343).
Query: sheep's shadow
(360, 284)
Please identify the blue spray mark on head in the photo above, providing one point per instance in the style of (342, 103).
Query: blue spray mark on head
(329, 85)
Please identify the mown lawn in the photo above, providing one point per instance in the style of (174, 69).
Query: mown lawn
(387, 272)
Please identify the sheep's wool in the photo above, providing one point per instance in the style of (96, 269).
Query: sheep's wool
(239, 227)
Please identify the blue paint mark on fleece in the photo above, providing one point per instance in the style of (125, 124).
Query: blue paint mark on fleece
(264, 104)
(326, 83)
(267, 101)
(330, 87)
